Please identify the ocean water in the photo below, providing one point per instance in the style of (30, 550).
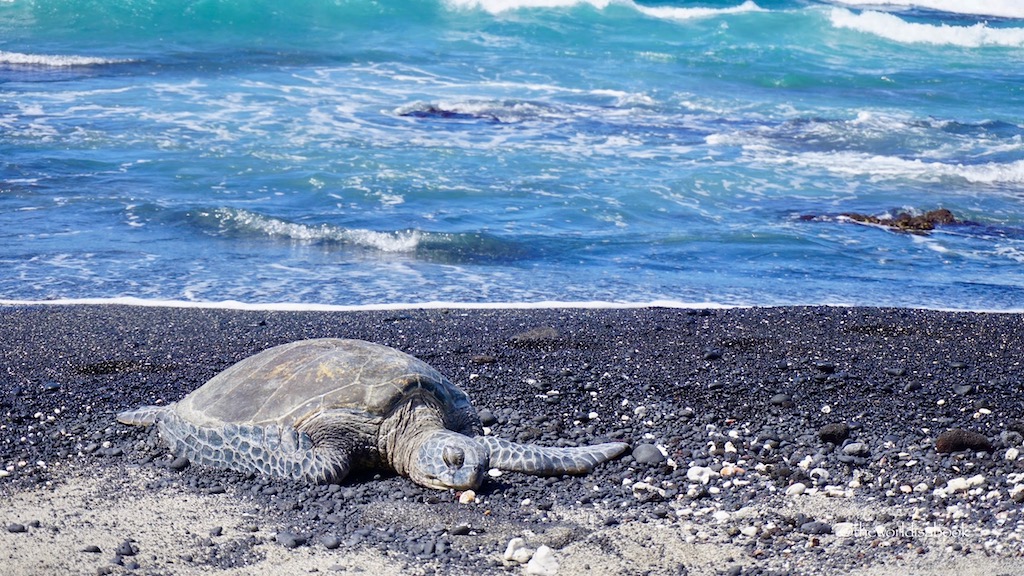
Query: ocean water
(362, 152)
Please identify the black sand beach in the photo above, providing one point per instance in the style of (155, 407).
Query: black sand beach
(766, 441)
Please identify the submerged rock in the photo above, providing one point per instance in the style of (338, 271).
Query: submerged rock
(904, 222)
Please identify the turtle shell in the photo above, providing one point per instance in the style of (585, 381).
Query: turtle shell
(286, 384)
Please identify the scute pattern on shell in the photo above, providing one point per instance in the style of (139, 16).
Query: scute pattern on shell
(286, 383)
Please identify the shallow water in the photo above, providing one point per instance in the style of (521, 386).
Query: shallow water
(353, 152)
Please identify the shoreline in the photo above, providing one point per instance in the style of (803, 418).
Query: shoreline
(732, 400)
(455, 305)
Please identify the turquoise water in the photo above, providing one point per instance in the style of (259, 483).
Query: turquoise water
(359, 152)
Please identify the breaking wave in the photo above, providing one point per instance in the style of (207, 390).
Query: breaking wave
(429, 246)
(53, 61)
(894, 28)
(997, 8)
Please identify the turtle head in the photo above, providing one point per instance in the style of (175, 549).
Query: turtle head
(448, 459)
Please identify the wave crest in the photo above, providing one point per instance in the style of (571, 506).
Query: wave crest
(893, 28)
(661, 12)
(53, 60)
(449, 248)
(996, 8)
(239, 221)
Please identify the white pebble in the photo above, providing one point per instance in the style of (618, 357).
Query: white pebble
(844, 529)
(592, 416)
(749, 531)
(467, 497)
(515, 545)
(720, 516)
(4, 473)
(700, 474)
(1012, 453)
(819, 474)
(796, 489)
(494, 472)
(729, 447)
(543, 562)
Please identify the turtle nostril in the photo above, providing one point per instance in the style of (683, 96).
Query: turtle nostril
(453, 457)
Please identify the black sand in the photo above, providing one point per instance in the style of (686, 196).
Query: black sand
(741, 392)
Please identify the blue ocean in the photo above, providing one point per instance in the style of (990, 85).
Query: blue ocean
(369, 152)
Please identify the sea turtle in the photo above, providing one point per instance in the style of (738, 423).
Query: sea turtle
(316, 409)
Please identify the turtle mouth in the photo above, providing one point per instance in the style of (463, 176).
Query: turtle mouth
(464, 479)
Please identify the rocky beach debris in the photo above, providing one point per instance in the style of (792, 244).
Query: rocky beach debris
(812, 455)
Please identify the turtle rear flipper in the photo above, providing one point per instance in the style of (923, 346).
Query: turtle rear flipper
(273, 450)
(547, 461)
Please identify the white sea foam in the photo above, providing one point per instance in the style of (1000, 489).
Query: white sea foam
(427, 305)
(881, 167)
(661, 12)
(676, 13)
(298, 306)
(997, 8)
(894, 28)
(53, 60)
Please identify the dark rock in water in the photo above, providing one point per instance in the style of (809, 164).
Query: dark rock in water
(648, 454)
(16, 528)
(957, 439)
(904, 222)
(290, 539)
(835, 432)
(816, 527)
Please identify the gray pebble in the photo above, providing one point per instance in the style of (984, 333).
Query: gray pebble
(179, 463)
(856, 449)
(290, 539)
(92, 549)
(487, 417)
(16, 528)
(330, 541)
(781, 399)
(462, 529)
(127, 548)
(816, 527)
(835, 432)
(648, 454)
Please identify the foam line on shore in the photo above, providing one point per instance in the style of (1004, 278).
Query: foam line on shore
(305, 307)
(434, 305)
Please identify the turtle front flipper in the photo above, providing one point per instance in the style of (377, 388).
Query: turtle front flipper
(546, 461)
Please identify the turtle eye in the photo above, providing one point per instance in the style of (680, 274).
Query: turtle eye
(453, 457)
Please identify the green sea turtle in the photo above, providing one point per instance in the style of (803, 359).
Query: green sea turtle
(316, 409)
